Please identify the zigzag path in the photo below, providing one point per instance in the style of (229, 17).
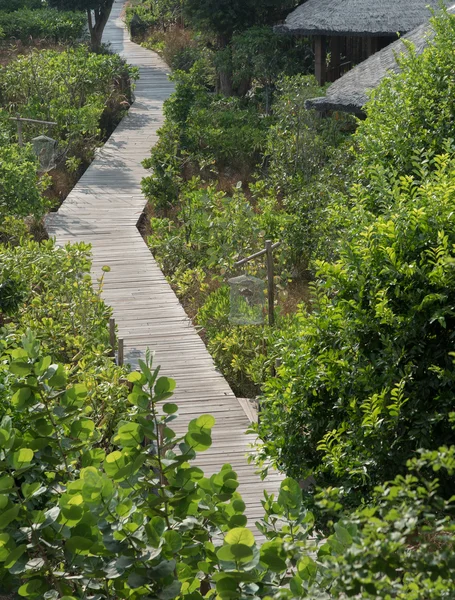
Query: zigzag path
(103, 209)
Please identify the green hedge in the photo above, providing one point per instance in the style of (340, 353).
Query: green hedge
(52, 25)
(13, 5)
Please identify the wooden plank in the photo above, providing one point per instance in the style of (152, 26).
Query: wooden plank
(103, 210)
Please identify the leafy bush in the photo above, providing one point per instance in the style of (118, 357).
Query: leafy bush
(178, 47)
(13, 5)
(66, 315)
(368, 378)
(413, 110)
(231, 132)
(399, 547)
(141, 17)
(20, 188)
(300, 143)
(47, 24)
(262, 57)
(204, 135)
(245, 354)
(212, 229)
(75, 88)
(162, 187)
(126, 513)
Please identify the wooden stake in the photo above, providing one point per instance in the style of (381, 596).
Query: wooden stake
(120, 356)
(270, 282)
(319, 59)
(112, 335)
(20, 139)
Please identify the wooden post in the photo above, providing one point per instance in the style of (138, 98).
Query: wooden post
(20, 139)
(335, 58)
(319, 58)
(270, 281)
(120, 356)
(112, 335)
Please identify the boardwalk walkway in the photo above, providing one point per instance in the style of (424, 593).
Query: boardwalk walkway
(103, 209)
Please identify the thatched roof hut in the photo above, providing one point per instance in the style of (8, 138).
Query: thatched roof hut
(350, 92)
(353, 30)
(357, 17)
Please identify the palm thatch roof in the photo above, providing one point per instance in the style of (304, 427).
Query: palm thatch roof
(357, 17)
(350, 92)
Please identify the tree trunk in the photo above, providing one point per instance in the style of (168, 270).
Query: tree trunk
(96, 28)
(225, 83)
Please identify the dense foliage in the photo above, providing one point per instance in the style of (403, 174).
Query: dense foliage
(411, 111)
(13, 5)
(84, 93)
(97, 13)
(100, 498)
(75, 88)
(21, 191)
(235, 37)
(124, 512)
(368, 378)
(210, 221)
(51, 25)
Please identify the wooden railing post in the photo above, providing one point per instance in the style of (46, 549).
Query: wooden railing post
(120, 356)
(112, 335)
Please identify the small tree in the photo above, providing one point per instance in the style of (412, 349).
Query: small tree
(98, 12)
(223, 18)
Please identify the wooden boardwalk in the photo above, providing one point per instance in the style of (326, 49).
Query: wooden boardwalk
(103, 210)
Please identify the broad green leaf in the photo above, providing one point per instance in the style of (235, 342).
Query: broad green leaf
(20, 397)
(6, 484)
(235, 553)
(173, 540)
(78, 544)
(29, 490)
(136, 377)
(33, 588)
(290, 494)
(307, 568)
(6, 545)
(14, 556)
(164, 385)
(240, 535)
(8, 516)
(204, 422)
(22, 458)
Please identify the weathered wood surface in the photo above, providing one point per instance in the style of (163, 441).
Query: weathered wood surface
(103, 210)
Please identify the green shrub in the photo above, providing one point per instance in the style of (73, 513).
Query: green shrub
(13, 5)
(143, 16)
(67, 316)
(300, 143)
(368, 378)
(124, 513)
(245, 354)
(20, 188)
(75, 88)
(228, 131)
(413, 110)
(46, 24)
(212, 229)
